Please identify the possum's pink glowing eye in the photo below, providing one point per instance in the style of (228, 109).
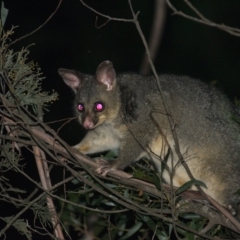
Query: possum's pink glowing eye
(80, 107)
(98, 106)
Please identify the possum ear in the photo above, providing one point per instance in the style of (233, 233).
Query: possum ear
(106, 75)
(72, 78)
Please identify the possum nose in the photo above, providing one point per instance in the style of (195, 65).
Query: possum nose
(88, 123)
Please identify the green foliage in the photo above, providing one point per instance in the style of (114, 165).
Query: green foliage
(26, 78)
(21, 91)
(22, 77)
(9, 158)
(190, 184)
(21, 225)
(110, 220)
(41, 212)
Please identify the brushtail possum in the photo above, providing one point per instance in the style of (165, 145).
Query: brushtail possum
(127, 112)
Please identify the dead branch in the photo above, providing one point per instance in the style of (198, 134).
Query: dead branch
(202, 19)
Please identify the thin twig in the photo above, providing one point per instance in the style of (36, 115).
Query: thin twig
(202, 19)
(35, 30)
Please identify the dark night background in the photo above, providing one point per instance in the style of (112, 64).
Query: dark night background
(71, 40)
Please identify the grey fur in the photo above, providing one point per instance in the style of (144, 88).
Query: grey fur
(208, 136)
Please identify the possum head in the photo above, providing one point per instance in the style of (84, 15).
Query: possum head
(97, 98)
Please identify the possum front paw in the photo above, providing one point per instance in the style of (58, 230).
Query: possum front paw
(104, 167)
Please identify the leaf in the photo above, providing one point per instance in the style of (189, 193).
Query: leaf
(151, 224)
(170, 228)
(143, 175)
(237, 192)
(162, 235)
(126, 193)
(108, 203)
(4, 13)
(157, 181)
(75, 181)
(132, 230)
(190, 216)
(188, 185)
(111, 154)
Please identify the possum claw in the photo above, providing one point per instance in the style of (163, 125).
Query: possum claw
(104, 167)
